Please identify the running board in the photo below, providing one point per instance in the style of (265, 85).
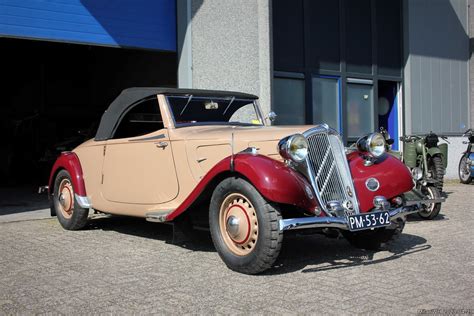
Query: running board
(158, 216)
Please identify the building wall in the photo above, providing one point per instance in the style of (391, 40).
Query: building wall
(437, 89)
(471, 60)
(230, 46)
(436, 74)
(455, 149)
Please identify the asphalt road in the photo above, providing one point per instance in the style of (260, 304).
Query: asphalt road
(123, 265)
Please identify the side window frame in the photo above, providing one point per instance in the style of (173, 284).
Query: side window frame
(128, 110)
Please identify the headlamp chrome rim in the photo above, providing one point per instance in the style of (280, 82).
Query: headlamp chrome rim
(294, 148)
(369, 144)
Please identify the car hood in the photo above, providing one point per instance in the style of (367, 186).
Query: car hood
(207, 145)
(241, 133)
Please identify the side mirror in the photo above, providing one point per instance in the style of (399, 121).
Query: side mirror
(271, 116)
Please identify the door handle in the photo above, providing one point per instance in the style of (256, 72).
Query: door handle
(161, 144)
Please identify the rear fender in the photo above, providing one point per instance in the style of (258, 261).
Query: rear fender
(434, 151)
(70, 162)
(393, 176)
(273, 179)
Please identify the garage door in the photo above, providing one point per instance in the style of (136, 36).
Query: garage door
(149, 24)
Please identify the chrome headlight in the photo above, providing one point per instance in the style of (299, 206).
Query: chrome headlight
(294, 147)
(373, 144)
(417, 173)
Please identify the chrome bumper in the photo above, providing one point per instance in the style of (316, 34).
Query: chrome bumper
(340, 222)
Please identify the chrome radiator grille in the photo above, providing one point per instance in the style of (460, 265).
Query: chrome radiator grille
(330, 171)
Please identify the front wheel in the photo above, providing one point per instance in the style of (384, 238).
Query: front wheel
(430, 211)
(464, 171)
(244, 227)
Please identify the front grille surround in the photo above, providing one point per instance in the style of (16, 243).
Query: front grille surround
(328, 169)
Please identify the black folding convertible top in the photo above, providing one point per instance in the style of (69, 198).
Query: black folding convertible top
(130, 96)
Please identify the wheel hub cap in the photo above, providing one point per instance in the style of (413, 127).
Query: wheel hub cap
(238, 224)
(66, 198)
(62, 200)
(233, 226)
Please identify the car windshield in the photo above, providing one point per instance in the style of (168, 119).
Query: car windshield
(194, 110)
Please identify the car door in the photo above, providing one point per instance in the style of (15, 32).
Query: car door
(138, 165)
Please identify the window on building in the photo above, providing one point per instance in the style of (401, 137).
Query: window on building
(333, 41)
(359, 108)
(288, 35)
(322, 22)
(389, 37)
(289, 101)
(326, 101)
(358, 36)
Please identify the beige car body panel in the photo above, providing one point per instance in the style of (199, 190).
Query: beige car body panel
(138, 175)
(130, 163)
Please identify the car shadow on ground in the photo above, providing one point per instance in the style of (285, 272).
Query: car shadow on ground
(318, 253)
(196, 240)
(299, 251)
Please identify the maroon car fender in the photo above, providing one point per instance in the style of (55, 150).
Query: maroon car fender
(273, 179)
(69, 161)
(393, 176)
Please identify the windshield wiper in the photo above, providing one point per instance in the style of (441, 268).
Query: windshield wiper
(189, 100)
(228, 106)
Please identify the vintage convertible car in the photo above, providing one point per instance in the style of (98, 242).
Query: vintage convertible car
(209, 158)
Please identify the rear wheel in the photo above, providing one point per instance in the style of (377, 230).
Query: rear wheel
(70, 215)
(430, 211)
(436, 168)
(244, 227)
(464, 171)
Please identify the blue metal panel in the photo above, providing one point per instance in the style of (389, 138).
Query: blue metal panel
(149, 24)
(393, 122)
